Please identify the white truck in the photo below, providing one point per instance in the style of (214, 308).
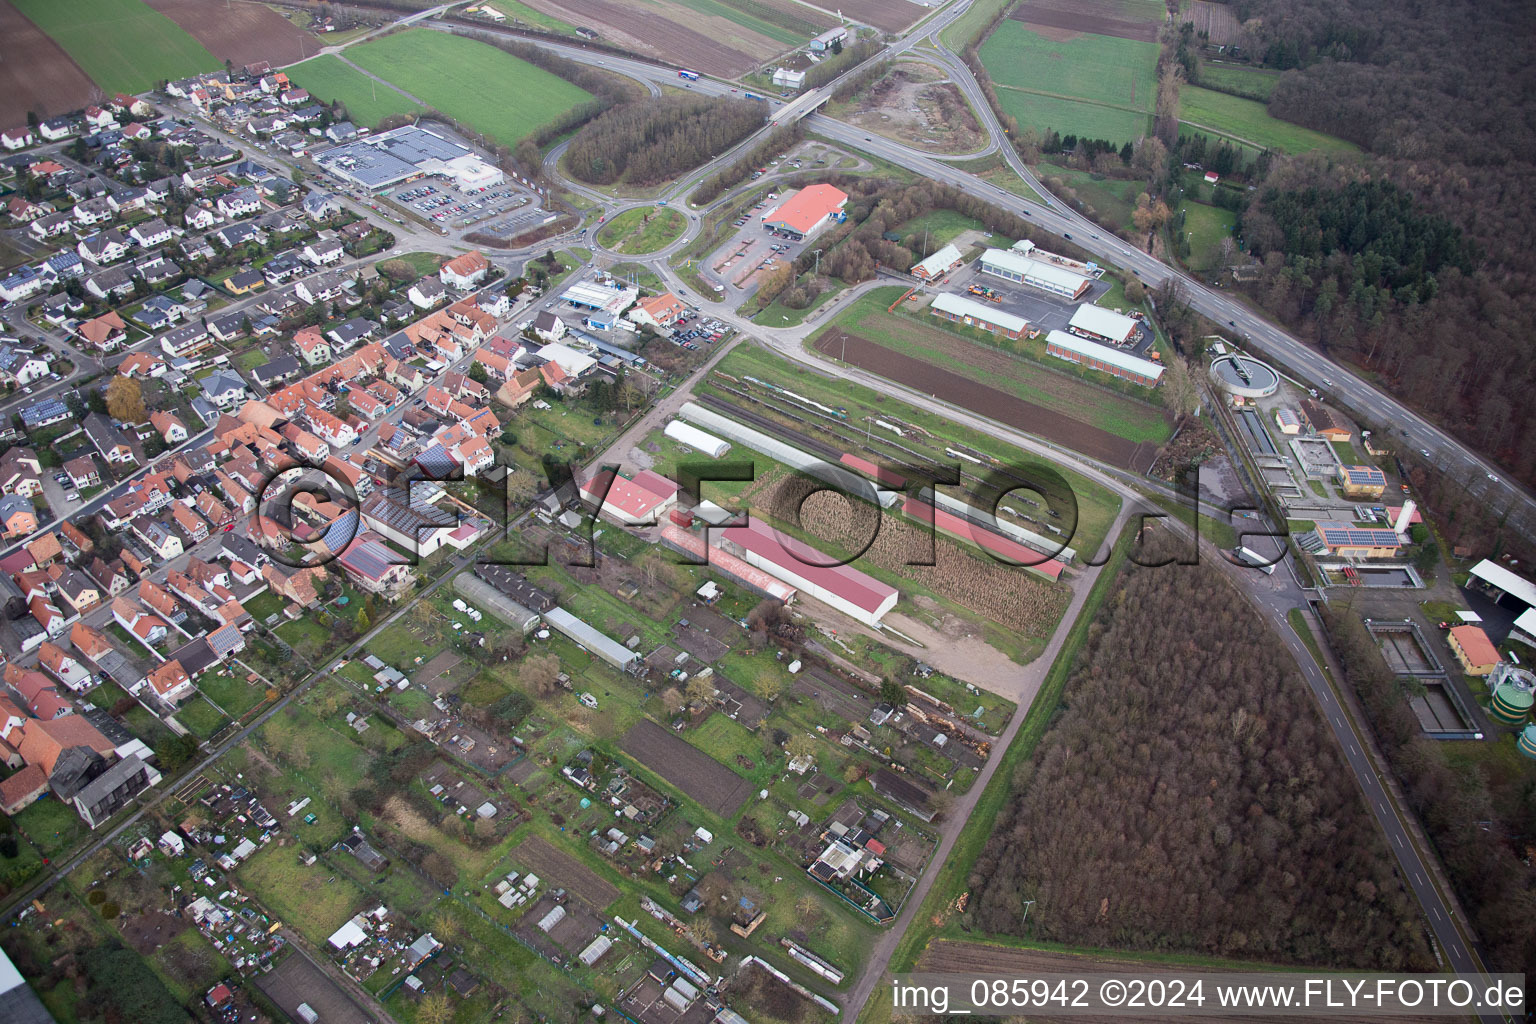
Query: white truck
(1256, 560)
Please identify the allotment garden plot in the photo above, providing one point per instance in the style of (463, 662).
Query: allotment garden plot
(691, 770)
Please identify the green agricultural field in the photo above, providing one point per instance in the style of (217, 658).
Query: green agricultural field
(123, 45)
(1248, 121)
(1101, 69)
(470, 82)
(1206, 227)
(1074, 117)
(331, 80)
(1249, 82)
(642, 230)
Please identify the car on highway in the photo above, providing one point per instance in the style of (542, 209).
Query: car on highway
(1327, 383)
(1424, 452)
(1066, 236)
(868, 139)
(1231, 323)
(1493, 478)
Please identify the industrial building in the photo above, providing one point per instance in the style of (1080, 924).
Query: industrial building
(1099, 324)
(939, 264)
(394, 157)
(609, 650)
(802, 213)
(691, 545)
(1287, 421)
(848, 590)
(1326, 422)
(1472, 648)
(1362, 481)
(696, 439)
(602, 298)
(1103, 358)
(967, 531)
(629, 502)
(1050, 277)
(1357, 542)
(960, 310)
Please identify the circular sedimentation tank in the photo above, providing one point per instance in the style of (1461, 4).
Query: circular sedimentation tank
(1511, 704)
(1527, 742)
(1244, 375)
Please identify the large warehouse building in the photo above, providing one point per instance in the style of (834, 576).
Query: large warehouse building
(637, 502)
(1101, 357)
(381, 161)
(1098, 324)
(1050, 277)
(854, 593)
(960, 310)
(805, 212)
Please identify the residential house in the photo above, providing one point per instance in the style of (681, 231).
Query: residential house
(108, 440)
(17, 138)
(312, 346)
(111, 577)
(20, 472)
(17, 516)
(548, 326)
(83, 471)
(104, 247)
(322, 252)
(110, 284)
(373, 567)
(464, 272)
(239, 203)
(163, 542)
(225, 389)
(168, 426)
(426, 293)
(146, 628)
(320, 205)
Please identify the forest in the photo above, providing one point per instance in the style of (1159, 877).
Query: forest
(1443, 110)
(659, 139)
(1189, 798)
(1487, 866)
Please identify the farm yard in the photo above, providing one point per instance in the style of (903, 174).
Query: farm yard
(1089, 71)
(36, 75)
(247, 34)
(331, 80)
(1246, 121)
(468, 81)
(123, 45)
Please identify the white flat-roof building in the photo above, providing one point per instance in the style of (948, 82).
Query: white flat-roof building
(1011, 266)
(571, 361)
(1099, 324)
(610, 299)
(1101, 357)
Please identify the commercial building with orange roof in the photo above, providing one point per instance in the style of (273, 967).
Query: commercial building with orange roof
(803, 213)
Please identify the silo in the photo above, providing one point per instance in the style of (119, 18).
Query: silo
(1527, 742)
(1511, 704)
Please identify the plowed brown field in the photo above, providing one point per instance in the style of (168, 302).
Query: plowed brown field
(890, 15)
(998, 405)
(35, 74)
(1069, 17)
(245, 33)
(671, 32)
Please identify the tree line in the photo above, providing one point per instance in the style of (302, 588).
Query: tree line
(1189, 798)
(778, 141)
(659, 139)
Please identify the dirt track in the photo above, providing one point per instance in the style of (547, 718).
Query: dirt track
(998, 405)
(35, 74)
(245, 33)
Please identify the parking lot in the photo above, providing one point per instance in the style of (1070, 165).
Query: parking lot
(1044, 311)
(690, 331)
(440, 202)
(749, 251)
